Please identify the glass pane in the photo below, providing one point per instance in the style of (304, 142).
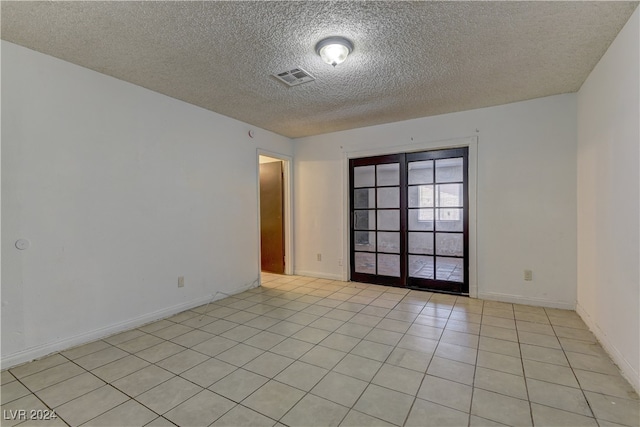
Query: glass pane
(388, 242)
(451, 269)
(389, 220)
(450, 244)
(421, 243)
(420, 219)
(449, 219)
(421, 172)
(449, 170)
(389, 265)
(365, 262)
(421, 196)
(365, 241)
(364, 220)
(388, 174)
(363, 176)
(421, 266)
(389, 197)
(449, 195)
(364, 198)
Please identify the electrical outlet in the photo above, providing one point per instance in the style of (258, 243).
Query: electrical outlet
(181, 281)
(339, 262)
(528, 275)
(319, 257)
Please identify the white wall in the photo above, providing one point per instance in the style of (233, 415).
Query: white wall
(526, 199)
(608, 197)
(120, 190)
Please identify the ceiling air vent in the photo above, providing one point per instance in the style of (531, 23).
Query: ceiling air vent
(294, 77)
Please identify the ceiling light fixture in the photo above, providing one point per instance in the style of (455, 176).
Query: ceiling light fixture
(334, 50)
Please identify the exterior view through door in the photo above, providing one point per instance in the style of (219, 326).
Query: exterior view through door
(409, 220)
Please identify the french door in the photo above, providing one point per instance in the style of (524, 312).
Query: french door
(409, 220)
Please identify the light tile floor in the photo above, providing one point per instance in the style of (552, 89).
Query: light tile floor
(300, 351)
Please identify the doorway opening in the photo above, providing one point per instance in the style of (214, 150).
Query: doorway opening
(274, 219)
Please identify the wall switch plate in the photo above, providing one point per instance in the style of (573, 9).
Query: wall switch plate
(339, 262)
(181, 281)
(528, 275)
(319, 257)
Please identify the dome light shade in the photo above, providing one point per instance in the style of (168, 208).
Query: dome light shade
(334, 50)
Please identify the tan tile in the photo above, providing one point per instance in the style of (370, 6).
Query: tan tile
(100, 358)
(192, 338)
(142, 380)
(500, 408)
(208, 372)
(11, 414)
(200, 410)
(546, 416)
(292, 348)
(415, 343)
(123, 336)
(239, 355)
(301, 375)
(388, 405)
(85, 349)
(460, 338)
(65, 391)
(550, 373)
(37, 365)
(340, 388)
(323, 357)
(508, 348)
(238, 385)
(52, 376)
(558, 396)
(372, 350)
(160, 351)
(214, 346)
(500, 382)
(240, 333)
(6, 377)
(12, 391)
(398, 379)
(544, 354)
(358, 367)
(90, 405)
(445, 392)
(457, 352)
(500, 362)
(451, 370)
(120, 368)
(313, 410)
(424, 413)
(180, 362)
(612, 385)
(243, 417)
(168, 395)
(358, 419)
(410, 359)
(265, 340)
(614, 409)
(137, 344)
(268, 364)
(273, 399)
(129, 414)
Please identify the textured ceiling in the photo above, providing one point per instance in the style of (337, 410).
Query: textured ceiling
(411, 59)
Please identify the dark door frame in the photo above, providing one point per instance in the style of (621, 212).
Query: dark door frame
(472, 143)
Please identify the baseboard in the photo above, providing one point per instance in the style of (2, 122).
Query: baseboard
(42, 350)
(518, 299)
(626, 369)
(318, 275)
